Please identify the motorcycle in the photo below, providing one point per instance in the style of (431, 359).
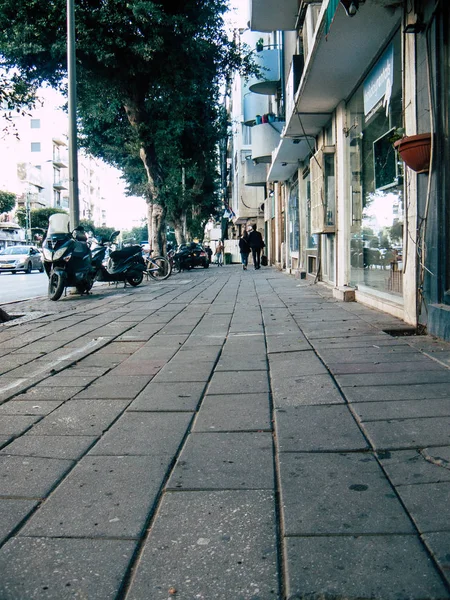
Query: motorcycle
(67, 258)
(125, 265)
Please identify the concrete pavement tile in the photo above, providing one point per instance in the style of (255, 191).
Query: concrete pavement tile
(217, 545)
(238, 382)
(425, 376)
(102, 360)
(295, 364)
(144, 434)
(317, 429)
(408, 433)
(286, 343)
(303, 391)
(27, 407)
(242, 363)
(224, 461)
(121, 348)
(81, 417)
(104, 496)
(169, 396)
(65, 380)
(45, 393)
(82, 371)
(70, 447)
(338, 494)
(16, 424)
(184, 370)
(4, 439)
(402, 409)
(118, 386)
(210, 353)
(8, 363)
(428, 505)
(133, 366)
(376, 340)
(234, 413)
(391, 567)
(63, 568)
(392, 366)
(12, 513)
(397, 392)
(438, 544)
(380, 354)
(408, 467)
(30, 477)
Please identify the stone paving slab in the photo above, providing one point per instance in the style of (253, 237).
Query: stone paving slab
(234, 413)
(378, 393)
(69, 447)
(286, 343)
(65, 380)
(409, 433)
(384, 368)
(104, 496)
(102, 360)
(382, 354)
(338, 494)
(58, 569)
(329, 428)
(219, 545)
(401, 409)
(438, 544)
(224, 461)
(30, 477)
(357, 567)
(291, 365)
(184, 370)
(419, 498)
(238, 382)
(169, 396)
(409, 467)
(144, 434)
(27, 407)
(16, 424)
(12, 513)
(303, 391)
(118, 386)
(134, 366)
(238, 362)
(80, 417)
(441, 375)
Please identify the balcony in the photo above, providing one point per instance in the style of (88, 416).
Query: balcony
(265, 138)
(254, 104)
(268, 15)
(288, 156)
(267, 83)
(254, 174)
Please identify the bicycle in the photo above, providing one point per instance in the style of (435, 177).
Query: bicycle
(157, 267)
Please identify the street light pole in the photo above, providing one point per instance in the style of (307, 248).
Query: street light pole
(74, 206)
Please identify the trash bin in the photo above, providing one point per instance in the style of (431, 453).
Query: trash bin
(228, 258)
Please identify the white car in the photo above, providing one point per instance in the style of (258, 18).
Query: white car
(20, 258)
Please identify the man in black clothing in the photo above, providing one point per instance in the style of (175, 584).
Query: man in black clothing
(256, 243)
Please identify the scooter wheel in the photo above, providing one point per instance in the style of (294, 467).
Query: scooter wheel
(135, 280)
(55, 286)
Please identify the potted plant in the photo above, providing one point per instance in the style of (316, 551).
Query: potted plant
(415, 151)
(260, 45)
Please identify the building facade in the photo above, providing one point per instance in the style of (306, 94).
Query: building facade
(343, 204)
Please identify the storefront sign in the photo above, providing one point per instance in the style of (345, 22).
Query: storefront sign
(378, 84)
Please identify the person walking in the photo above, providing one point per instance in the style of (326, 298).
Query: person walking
(256, 243)
(219, 254)
(244, 249)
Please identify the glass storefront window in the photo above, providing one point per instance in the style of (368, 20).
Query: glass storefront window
(376, 245)
(311, 239)
(294, 224)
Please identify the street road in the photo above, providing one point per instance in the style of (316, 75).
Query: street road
(22, 286)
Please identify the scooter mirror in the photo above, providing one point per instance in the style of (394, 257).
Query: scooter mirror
(114, 235)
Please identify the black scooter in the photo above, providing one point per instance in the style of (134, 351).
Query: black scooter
(125, 265)
(67, 258)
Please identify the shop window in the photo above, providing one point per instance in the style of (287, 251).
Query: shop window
(323, 190)
(35, 146)
(376, 192)
(294, 224)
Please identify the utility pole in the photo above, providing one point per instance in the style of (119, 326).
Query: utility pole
(74, 205)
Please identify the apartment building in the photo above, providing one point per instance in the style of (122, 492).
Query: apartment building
(343, 203)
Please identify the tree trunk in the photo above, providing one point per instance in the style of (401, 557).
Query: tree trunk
(180, 229)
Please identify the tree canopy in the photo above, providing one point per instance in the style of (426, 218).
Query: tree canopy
(7, 201)
(148, 87)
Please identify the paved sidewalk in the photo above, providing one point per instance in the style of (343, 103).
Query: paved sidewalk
(223, 435)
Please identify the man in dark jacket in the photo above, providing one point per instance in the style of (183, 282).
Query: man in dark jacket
(256, 243)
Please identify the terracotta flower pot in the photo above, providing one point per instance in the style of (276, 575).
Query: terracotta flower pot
(415, 151)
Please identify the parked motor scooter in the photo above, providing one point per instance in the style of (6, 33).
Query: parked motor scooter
(67, 257)
(125, 265)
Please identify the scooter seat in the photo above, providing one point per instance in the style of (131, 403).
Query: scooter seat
(125, 252)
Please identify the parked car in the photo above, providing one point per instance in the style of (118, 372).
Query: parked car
(191, 255)
(20, 258)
